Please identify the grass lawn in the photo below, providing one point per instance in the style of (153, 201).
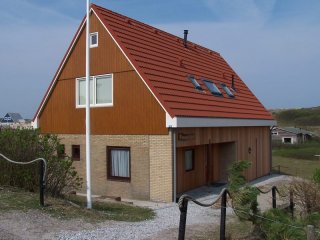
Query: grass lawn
(297, 159)
(296, 167)
(17, 199)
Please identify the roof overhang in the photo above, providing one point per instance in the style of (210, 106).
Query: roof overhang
(188, 122)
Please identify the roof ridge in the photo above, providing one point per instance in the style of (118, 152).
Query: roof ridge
(158, 30)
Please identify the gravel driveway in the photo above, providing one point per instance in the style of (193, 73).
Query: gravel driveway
(36, 225)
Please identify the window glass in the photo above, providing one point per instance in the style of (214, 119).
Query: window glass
(94, 39)
(104, 90)
(82, 91)
(101, 91)
(188, 160)
(195, 83)
(119, 163)
(76, 152)
(212, 88)
(227, 90)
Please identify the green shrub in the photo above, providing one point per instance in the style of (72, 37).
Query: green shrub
(279, 227)
(244, 197)
(24, 145)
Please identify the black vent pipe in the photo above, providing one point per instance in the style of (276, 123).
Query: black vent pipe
(232, 84)
(185, 38)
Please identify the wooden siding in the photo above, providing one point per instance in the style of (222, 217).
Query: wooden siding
(134, 111)
(195, 178)
(216, 146)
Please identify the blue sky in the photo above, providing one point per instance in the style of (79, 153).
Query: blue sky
(272, 44)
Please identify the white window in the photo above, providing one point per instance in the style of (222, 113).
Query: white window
(93, 40)
(101, 91)
(287, 140)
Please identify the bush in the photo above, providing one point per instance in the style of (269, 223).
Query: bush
(306, 195)
(279, 228)
(244, 197)
(24, 145)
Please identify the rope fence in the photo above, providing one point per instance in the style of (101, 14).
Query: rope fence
(42, 173)
(183, 207)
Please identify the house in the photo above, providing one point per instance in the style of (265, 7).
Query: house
(291, 135)
(167, 115)
(14, 120)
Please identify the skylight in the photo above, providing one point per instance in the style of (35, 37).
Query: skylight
(195, 83)
(212, 88)
(227, 90)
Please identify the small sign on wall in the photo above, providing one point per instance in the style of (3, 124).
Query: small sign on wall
(186, 136)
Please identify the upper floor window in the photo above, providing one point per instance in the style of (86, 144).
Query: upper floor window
(195, 82)
(212, 88)
(101, 91)
(227, 90)
(93, 40)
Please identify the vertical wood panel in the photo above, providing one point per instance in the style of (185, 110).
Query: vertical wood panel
(134, 111)
(256, 138)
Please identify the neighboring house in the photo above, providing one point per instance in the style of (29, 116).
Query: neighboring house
(14, 120)
(167, 115)
(291, 135)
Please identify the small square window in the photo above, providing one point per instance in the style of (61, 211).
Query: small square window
(76, 152)
(93, 39)
(189, 160)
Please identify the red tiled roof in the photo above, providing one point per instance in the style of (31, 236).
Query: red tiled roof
(164, 64)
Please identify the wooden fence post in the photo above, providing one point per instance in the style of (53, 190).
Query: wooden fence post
(223, 215)
(274, 200)
(41, 183)
(291, 206)
(183, 219)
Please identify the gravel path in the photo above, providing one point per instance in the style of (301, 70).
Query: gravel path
(36, 225)
(166, 218)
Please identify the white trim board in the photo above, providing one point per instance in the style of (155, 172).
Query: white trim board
(187, 122)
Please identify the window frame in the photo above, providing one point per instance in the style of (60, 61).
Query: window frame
(195, 83)
(73, 146)
(193, 159)
(94, 34)
(109, 164)
(94, 91)
(217, 91)
(227, 90)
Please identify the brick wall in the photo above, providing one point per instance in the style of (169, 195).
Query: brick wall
(161, 168)
(150, 155)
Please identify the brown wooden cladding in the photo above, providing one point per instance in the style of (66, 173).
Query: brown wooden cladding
(187, 180)
(134, 110)
(217, 147)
